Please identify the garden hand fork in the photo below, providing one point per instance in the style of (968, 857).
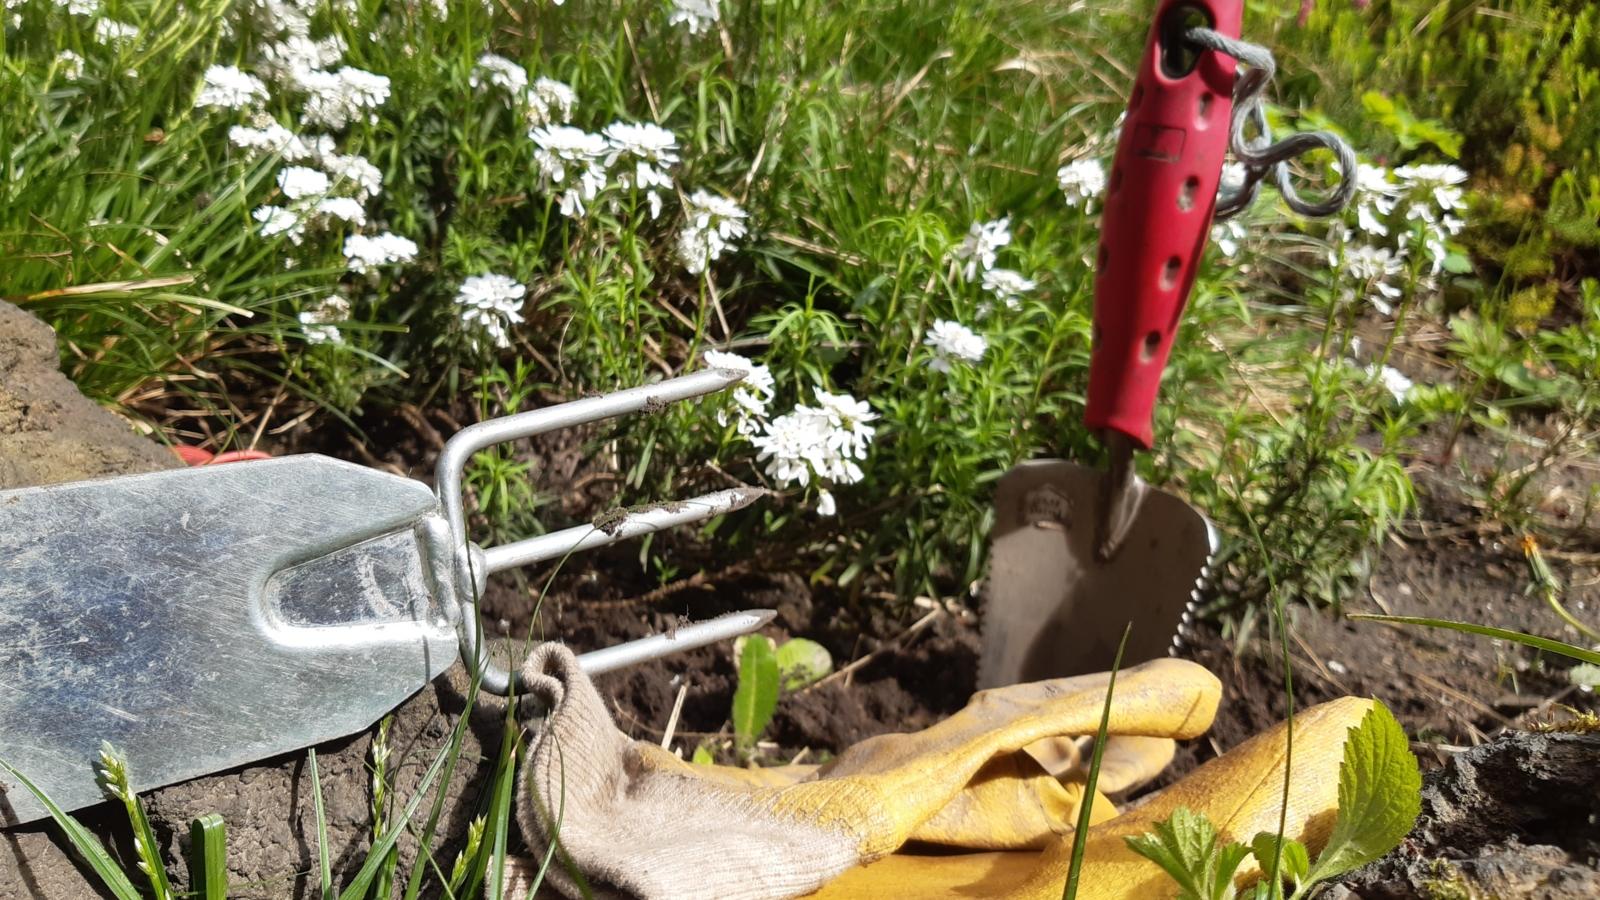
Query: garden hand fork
(201, 619)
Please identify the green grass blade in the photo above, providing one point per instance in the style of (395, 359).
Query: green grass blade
(1548, 645)
(208, 858)
(88, 846)
(505, 783)
(369, 870)
(1080, 833)
(324, 867)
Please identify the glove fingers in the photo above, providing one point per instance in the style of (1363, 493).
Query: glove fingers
(1240, 793)
(1131, 760)
(1011, 804)
(893, 783)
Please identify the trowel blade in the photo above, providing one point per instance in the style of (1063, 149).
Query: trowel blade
(1051, 609)
(201, 619)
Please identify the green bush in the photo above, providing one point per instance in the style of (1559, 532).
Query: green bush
(1516, 81)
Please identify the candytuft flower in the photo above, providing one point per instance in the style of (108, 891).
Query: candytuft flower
(490, 304)
(345, 209)
(569, 159)
(549, 102)
(354, 173)
(1006, 286)
(365, 254)
(821, 442)
(314, 321)
(499, 72)
(1082, 181)
(651, 149)
(982, 243)
(697, 15)
(335, 99)
(226, 87)
(715, 223)
(751, 397)
(952, 341)
(276, 220)
(301, 182)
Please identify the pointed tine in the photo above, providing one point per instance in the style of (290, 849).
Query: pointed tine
(461, 446)
(621, 527)
(685, 637)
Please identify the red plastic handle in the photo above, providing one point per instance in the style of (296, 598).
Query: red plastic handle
(1159, 203)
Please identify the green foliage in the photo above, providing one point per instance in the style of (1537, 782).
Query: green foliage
(802, 662)
(1549, 645)
(1379, 800)
(1185, 846)
(114, 779)
(756, 697)
(1379, 796)
(208, 857)
(1514, 79)
(766, 671)
(1409, 131)
(88, 847)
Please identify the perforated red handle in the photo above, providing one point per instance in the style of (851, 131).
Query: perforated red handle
(1159, 203)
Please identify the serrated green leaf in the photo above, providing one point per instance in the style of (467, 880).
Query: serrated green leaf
(1380, 795)
(801, 662)
(756, 698)
(1295, 862)
(1185, 846)
(1228, 858)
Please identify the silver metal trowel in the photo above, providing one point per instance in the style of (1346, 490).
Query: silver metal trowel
(206, 618)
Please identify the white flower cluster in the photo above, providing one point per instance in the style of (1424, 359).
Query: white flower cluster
(979, 252)
(696, 15)
(821, 443)
(750, 398)
(226, 87)
(714, 224)
(315, 322)
(980, 248)
(320, 189)
(1082, 181)
(322, 198)
(544, 102)
(364, 253)
(499, 72)
(579, 164)
(953, 342)
(1395, 209)
(489, 306)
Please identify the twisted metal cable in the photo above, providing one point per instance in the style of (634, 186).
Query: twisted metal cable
(1259, 155)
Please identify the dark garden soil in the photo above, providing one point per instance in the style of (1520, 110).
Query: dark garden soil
(1517, 809)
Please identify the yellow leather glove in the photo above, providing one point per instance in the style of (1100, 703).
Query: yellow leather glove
(636, 821)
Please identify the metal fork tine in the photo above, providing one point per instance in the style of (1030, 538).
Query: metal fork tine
(635, 524)
(685, 637)
(473, 565)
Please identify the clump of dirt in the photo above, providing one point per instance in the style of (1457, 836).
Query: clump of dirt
(50, 433)
(1512, 818)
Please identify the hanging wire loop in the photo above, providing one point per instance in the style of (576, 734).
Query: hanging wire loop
(1259, 155)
